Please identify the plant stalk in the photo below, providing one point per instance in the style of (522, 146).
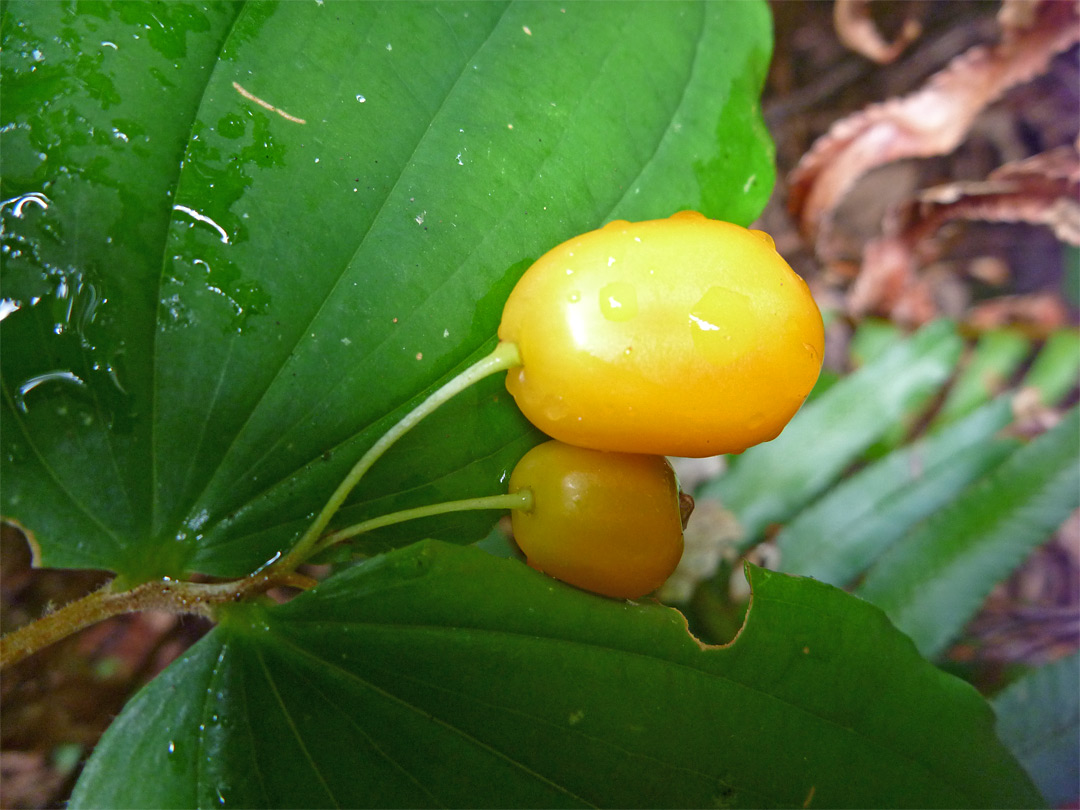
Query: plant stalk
(162, 595)
(503, 356)
(513, 500)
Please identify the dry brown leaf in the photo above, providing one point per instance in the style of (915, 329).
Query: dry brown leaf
(992, 271)
(1037, 314)
(1041, 190)
(888, 279)
(1031, 416)
(710, 537)
(856, 29)
(931, 121)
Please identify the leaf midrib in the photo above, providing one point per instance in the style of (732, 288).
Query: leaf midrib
(156, 527)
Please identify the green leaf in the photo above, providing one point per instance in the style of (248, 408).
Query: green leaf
(772, 481)
(1038, 719)
(1056, 368)
(933, 581)
(838, 536)
(89, 152)
(440, 675)
(242, 240)
(841, 533)
(986, 372)
(1070, 283)
(872, 339)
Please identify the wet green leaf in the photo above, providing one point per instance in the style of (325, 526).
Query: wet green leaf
(934, 580)
(89, 155)
(241, 240)
(442, 676)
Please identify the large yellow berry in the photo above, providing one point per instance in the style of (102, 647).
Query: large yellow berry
(683, 336)
(605, 522)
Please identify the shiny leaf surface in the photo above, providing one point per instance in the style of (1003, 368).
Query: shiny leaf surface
(242, 240)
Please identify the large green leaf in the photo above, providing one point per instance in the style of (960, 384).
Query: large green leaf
(772, 481)
(934, 580)
(89, 154)
(440, 675)
(242, 240)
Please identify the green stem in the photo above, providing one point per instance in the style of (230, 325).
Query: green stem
(514, 500)
(504, 356)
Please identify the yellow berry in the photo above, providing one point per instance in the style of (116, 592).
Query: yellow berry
(682, 336)
(606, 522)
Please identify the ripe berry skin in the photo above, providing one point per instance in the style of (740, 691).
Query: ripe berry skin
(606, 522)
(683, 337)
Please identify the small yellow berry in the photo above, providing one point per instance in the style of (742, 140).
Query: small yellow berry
(606, 522)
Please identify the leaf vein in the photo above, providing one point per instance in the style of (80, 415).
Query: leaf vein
(536, 637)
(295, 731)
(439, 721)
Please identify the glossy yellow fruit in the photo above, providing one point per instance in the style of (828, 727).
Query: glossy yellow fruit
(605, 522)
(683, 336)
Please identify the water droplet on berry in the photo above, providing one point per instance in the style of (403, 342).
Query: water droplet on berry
(720, 314)
(556, 409)
(618, 301)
